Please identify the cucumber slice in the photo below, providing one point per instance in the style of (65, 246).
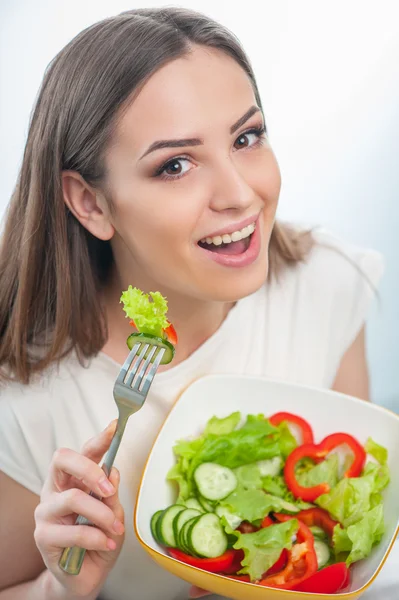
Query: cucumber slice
(181, 518)
(148, 338)
(194, 503)
(322, 553)
(270, 467)
(164, 525)
(214, 481)
(206, 536)
(153, 525)
(183, 537)
(318, 532)
(207, 506)
(233, 520)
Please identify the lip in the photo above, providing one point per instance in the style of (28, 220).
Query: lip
(233, 227)
(240, 260)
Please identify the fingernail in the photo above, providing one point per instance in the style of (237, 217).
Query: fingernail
(111, 545)
(118, 527)
(106, 486)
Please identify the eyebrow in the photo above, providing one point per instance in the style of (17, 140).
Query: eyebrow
(181, 143)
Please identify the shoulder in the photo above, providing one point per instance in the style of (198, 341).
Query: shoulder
(341, 265)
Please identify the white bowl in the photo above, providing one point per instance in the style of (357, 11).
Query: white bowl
(327, 412)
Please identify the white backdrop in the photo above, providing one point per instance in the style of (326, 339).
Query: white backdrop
(329, 78)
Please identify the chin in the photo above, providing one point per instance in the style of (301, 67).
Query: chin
(239, 283)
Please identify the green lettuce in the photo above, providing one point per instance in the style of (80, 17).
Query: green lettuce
(250, 443)
(353, 497)
(178, 474)
(149, 315)
(263, 548)
(325, 471)
(358, 539)
(378, 452)
(222, 426)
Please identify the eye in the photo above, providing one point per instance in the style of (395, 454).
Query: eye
(174, 168)
(250, 138)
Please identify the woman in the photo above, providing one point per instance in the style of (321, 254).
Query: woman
(146, 151)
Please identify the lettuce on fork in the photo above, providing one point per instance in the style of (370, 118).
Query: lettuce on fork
(147, 310)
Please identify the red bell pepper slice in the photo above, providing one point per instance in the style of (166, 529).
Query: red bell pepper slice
(302, 560)
(306, 429)
(214, 565)
(171, 334)
(329, 580)
(318, 452)
(319, 517)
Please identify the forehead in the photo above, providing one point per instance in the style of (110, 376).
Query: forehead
(192, 94)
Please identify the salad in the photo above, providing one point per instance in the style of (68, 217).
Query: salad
(147, 314)
(256, 504)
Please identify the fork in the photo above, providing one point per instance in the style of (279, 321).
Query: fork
(130, 392)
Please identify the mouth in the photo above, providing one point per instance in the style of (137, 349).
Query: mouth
(232, 244)
(237, 249)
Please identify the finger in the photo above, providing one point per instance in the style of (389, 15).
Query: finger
(196, 592)
(50, 537)
(77, 502)
(96, 447)
(113, 502)
(67, 463)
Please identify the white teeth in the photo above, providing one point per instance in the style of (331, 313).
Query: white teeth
(236, 236)
(227, 238)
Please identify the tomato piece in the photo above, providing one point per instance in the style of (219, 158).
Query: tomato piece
(329, 580)
(318, 452)
(132, 323)
(304, 426)
(213, 565)
(171, 334)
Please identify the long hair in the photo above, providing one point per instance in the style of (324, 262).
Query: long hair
(51, 268)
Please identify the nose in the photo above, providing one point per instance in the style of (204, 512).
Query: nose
(230, 188)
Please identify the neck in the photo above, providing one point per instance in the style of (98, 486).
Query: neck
(194, 320)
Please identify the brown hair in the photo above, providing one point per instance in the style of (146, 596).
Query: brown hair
(51, 267)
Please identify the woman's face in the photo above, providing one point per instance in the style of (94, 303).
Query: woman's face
(189, 162)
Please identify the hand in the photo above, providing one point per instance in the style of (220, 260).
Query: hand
(196, 592)
(64, 496)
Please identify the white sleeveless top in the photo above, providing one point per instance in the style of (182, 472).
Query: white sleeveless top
(296, 330)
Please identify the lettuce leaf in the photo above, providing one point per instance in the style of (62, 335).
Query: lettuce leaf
(253, 504)
(378, 452)
(178, 474)
(325, 471)
(250, 443)
(353, 497)
(149, 315)
(263, 548)
(222, 426)
(249, 477)
(358, 539)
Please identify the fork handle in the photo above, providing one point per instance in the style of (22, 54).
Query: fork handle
(72, 557)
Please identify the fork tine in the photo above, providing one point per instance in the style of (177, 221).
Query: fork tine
(150, 376)
(144, 368)
(135, 368)
(127, 363)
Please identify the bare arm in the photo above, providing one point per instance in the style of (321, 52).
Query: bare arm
(19, 557)
(352, 376)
